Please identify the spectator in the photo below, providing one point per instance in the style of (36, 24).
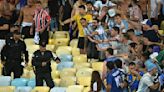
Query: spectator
(120, 75)
(147, 82)
(101, 38)
(26, 19)
(109, 58)
(135, 12)
(77, 17)
(66, 7)
(91, 42)
(124, 44)
(119, 23)
(111, 80)
(96, 82)
(143, 6)
(154, 11)
(53, 6)
(133, 77)
(114, 38)
(148, 32)
(41, 22)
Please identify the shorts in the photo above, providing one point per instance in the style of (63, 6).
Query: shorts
(81, 42)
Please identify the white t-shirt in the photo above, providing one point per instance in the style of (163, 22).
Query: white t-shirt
(95, 86)
(98, 4)
(145, 82)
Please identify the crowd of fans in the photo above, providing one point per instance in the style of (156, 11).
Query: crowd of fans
(128, 35)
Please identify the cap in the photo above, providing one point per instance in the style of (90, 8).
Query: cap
(146, 22)
(42, 43)
(111, 12)
(151, 66)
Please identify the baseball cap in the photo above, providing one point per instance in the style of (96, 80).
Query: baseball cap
(42, 43)
(146, 22)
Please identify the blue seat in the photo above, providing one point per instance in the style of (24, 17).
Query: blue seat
(23, 89)
(18, 82)
(63, 65)
(65, 57)
(31, 83)
(58, 89)
(5, 80)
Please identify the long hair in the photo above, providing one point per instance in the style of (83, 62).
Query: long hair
(96, 78)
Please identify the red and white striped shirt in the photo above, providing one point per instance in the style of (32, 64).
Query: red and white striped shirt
(41, 18)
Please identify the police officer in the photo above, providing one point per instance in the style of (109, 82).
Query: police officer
(41, 61)
(13, 54)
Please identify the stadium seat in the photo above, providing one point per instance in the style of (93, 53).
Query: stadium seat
(51, 41)
(58, 89)
(67, 81)
(23, 89)
(162, 25)
(55, 74)
(32, 48)
(97, 66)
(53, 65)
(67, 72)
(74, 43)
(63, 65)
(80, 58)
(75, 51)
(65, 57)
(50, 47)
(7, 88)
(31, 83)
(63, 50)
(41, 89)
(82, 65)
(86, 89)
(61, 42)
(5, 80)
(18, 82)
(29, 41)
(61, 34)
(84, 72)
(75, 88)
(28, 73)
(161, 32)
(85, 81)
(57, 82)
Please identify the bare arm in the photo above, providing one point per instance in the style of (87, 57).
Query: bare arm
(155, 86)
(108, 88)
(4, 27)
(20, 17)
(67, 21)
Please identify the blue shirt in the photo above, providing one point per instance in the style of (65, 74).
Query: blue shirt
(111, 81)
(111, 59)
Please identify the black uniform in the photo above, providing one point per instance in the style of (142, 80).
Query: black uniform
(12, 54)
(43, 72)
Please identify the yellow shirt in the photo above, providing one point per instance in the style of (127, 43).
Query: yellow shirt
(77, 18)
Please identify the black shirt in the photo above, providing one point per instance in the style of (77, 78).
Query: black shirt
(151, 35)
(40, 57)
